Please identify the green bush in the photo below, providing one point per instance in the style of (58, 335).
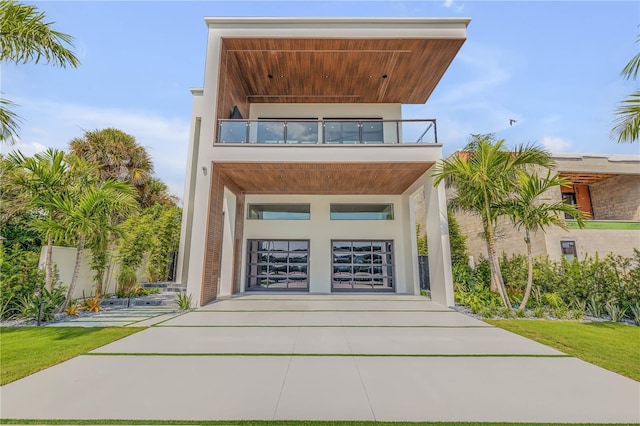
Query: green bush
(47, 300)
(514, 272)
(482, 275)
(590, 284)
(463, 276)
(127, 281)
(20, 278)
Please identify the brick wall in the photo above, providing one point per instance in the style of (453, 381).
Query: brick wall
(616, 198)
(213, 245)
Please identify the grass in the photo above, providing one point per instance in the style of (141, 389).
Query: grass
(609, 345)
(269, 423)
(26, 350)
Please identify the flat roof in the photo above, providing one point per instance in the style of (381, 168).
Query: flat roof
(340, 21)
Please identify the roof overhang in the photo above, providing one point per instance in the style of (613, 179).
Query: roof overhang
(364, 60)
(592, 168)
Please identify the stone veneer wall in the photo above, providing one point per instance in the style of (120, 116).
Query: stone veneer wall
(616, 198)
(508, 239)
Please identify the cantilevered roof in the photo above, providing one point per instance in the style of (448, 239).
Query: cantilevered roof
(372, 60)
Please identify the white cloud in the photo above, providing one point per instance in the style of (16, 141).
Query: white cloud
(27, 148)
(555, 144)
(449, 4)
(54, 124)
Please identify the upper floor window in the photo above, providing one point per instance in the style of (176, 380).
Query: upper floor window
(279, 211)
(361, 211)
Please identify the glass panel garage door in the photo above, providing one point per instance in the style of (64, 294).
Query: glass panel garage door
(362, 265)
(278, 265)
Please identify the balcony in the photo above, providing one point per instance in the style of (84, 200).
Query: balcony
(334, 132)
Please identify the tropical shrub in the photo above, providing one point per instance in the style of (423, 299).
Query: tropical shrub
(165, 239)
(564, 289)
(44, 303)
(92, 304)
(20, 279)
(615, 311)
(72, 309)
(184, 301)
(127, 281)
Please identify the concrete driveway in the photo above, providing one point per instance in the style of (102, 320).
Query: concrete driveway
(325, 357)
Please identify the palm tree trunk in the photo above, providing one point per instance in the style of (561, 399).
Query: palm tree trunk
(496, 275)
(527, 292)
(497, 285)
(76, 272)
(48, 264)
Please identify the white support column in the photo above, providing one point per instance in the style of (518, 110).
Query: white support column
(410, 244)
(437, 226)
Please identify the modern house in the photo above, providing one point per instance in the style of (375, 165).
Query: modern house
(302, 174)
(606, 187)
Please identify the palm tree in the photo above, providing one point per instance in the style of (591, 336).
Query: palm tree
(526, 212)
(26, 37)
(485, 175)
(86, 210)
(118, 154)
(41, 178)
(627, 123)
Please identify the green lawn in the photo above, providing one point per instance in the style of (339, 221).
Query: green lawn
(25, 350)
(609, 345)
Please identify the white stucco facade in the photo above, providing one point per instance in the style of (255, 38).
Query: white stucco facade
(204, 155)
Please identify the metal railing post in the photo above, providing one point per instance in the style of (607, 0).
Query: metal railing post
(435, 132)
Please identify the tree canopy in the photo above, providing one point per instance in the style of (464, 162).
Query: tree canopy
(25, 37)
(627, 122)
(485, 175)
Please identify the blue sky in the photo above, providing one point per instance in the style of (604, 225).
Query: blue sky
(552, 66)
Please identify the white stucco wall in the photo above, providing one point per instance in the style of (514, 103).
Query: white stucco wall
(65, 259)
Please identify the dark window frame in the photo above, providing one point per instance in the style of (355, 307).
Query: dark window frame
(352, 264)
(571, 246)
(258, 263)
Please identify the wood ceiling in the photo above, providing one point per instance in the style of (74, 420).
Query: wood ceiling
(386, 70)
(323, 178)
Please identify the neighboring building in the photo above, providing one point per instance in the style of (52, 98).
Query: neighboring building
(607, 187)
(302, 174)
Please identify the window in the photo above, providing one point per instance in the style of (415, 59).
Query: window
(361, 211)
(569, 251)
(279, 211)
(362, 265)
(569, 198)
(277, 265)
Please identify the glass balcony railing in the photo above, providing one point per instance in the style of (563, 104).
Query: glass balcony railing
(338, 132)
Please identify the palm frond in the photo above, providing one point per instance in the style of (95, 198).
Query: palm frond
(630, 71)
(627, 123)
(9, 122)
(26, 37)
